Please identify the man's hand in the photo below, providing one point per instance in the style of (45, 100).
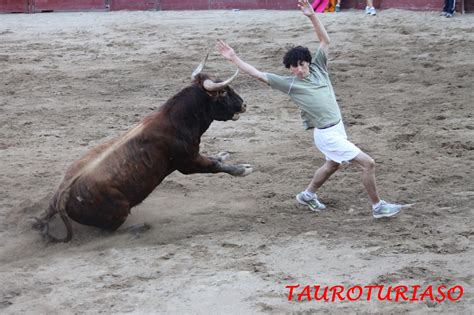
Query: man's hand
(225, 50)
(228, 53)
(321, 33)
(306, 8)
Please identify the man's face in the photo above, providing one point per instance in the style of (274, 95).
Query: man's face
(301, 70)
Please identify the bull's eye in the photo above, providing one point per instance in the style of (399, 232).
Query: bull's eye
(224, 93)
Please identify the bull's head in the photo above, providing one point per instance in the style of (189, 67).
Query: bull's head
(226, 103)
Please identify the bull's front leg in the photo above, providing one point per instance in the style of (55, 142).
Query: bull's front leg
(204, 164)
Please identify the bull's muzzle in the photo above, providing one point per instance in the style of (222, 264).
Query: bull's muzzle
(243, 109)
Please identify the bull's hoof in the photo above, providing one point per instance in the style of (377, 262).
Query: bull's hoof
(222, 156)
(41, 226)
(245, 169)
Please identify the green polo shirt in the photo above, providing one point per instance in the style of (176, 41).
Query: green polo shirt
(314, 94)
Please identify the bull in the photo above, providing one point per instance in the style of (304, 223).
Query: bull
(102, 186)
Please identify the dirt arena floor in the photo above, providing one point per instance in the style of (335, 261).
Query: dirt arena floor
(224, 245)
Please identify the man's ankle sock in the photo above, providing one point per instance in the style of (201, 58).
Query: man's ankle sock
(307, 195)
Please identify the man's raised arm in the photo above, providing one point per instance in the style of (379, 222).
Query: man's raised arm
(228, 53)
(321, 33)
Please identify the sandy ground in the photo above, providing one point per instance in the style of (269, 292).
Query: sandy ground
(219, 244)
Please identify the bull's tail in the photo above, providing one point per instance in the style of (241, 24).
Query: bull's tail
(61, 209)
(56, 206)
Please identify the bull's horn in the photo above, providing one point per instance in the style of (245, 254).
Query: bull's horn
(199, 68)
(212, 86)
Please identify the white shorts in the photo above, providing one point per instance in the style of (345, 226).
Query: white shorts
(333, 143)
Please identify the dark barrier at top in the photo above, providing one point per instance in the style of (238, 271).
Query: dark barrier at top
(33, 6)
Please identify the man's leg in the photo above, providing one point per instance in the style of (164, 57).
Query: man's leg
(367, 164)
(369, 9)
(380, 208)
(446, 6)
(451, 6)
(322, 174)
(309, 197)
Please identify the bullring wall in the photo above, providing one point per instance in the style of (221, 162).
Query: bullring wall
(33, 6)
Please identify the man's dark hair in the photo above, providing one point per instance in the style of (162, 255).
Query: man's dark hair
(296, 54)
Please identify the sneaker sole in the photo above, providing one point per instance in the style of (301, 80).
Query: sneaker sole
(408, 205)
(305, 204)
(378, 216)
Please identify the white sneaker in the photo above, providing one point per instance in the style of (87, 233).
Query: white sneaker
(386, 210)
(367, 10)
(314, 204)
(372, 11)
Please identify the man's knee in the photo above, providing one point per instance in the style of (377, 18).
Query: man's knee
(365, 162)
(369, 164)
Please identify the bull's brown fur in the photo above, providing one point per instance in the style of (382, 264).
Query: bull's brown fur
(101, 187)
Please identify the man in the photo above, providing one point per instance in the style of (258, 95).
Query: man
(449, 8)
(369, 8)
(310, 88)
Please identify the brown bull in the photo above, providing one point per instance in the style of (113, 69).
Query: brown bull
(101, 187)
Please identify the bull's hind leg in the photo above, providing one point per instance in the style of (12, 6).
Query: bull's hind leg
(202, 164)
(108, 214)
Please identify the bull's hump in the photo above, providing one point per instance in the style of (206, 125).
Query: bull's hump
(93, 164)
